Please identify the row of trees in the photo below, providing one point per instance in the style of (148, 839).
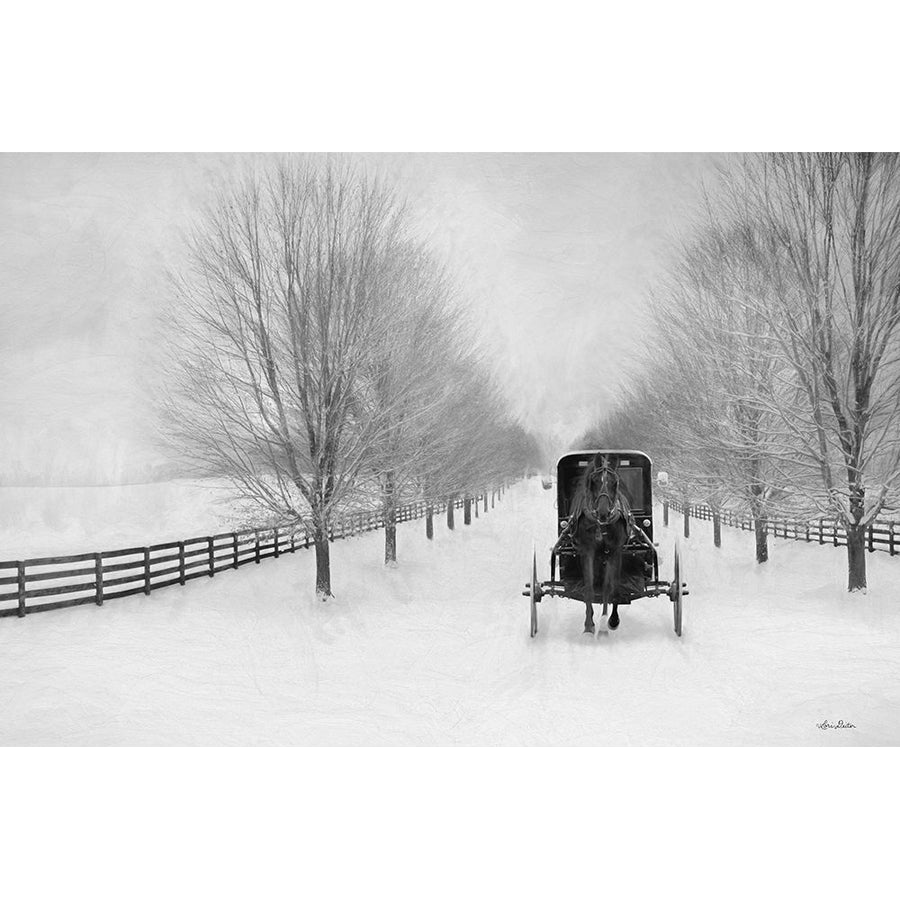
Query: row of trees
(775, 370)
(321, 362)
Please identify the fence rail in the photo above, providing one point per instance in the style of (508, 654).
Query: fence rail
(880, 535)
(85, 578)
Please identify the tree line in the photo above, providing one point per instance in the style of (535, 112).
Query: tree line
(771, 381)
(321, 360)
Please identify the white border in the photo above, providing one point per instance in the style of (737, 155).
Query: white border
(450, 77)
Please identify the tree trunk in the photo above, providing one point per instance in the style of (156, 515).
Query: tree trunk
(760, 526)
(856, 536)
(429, 522)
(450, 504)
(760, 516)
(390, 539)
(467, 511)
(856, 558)
(717, 529)
(389, 505)
(323, 563)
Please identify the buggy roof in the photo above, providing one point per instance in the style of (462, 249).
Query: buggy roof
(634, 456)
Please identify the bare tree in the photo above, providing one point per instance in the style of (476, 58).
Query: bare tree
(710, 311)
(782, 327)
(279, 310)
(405, 380)
(473, 442)
(833, 220)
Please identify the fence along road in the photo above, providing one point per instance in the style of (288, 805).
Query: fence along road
(880, 535)
(32, 585)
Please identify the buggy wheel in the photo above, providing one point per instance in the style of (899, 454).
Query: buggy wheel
(535, 593)
(676, 592)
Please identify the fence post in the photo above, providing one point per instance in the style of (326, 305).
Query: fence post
(450, 504)
(666, 513)
(717, 530)
(181, 562)
(807, 532)
(687, 520)
(293, 541)
(20, 572)
(871, 542)
(98, 578)
(147, 571)
(209, 544)
(475, 500)
(467, 511)
(256, 533)
(276, 542)
(493, 497)
(234, 550)
(891, 537)
(821, 532)
(429, 522)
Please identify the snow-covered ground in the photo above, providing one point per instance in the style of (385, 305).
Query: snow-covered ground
(436, 651)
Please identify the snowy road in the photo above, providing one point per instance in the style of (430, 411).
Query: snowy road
(437, 652)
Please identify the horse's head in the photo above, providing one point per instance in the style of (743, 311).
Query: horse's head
(603, 484)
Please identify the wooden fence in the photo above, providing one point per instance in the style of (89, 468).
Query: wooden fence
(33, 585)
(880, 535)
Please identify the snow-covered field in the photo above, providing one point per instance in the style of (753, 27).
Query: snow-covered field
(436, 651)
(51, 521)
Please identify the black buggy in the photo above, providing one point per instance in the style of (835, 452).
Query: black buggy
(640, 562)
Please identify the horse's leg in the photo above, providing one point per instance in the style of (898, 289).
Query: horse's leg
(611, 584)
(614, 618)
(587, 568)
(604, 592)
(603, 595)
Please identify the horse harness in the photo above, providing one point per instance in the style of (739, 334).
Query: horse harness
(619, 510)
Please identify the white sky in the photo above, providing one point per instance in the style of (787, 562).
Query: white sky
(553, 252)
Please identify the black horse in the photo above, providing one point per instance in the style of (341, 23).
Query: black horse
(600, 526)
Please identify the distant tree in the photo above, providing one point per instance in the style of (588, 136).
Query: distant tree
(473, 442)
(405, 378)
